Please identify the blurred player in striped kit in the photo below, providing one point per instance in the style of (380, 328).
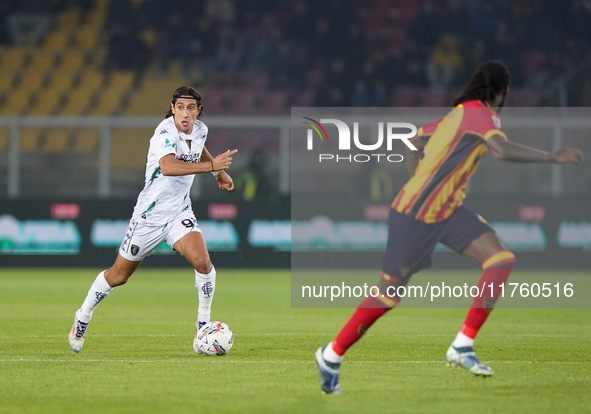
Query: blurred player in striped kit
(429, 209)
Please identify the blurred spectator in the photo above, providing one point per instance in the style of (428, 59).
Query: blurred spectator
(412, 71)
(535, 68)
(457, 20)
(361, 95)
(371, 89)
(120, 13)
(253, 181)
(579, 23)
(151, 14)
(504, 47)
(337, 86)
(220, 11)
(445, 63)
(206, 47)
(487, 16)
(6, 9)
(176, 42)
(426, 28)
(323, 43)
(354, 47)
(477, 55)
(229, 55)
(126, 49)
(29, 22)
(301, 25)
(287, 67)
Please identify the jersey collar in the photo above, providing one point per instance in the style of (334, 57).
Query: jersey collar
(474, 104)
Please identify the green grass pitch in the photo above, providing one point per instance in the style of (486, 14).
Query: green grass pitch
(138, 356)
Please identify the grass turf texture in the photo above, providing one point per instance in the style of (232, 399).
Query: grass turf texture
(138, 356)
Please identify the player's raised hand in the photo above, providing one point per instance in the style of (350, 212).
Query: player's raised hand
(225, 182)
(224, 160)
(568, 155)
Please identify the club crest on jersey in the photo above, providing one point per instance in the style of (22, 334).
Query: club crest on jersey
(497, 122)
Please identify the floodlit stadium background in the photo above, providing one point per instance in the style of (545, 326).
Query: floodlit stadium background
(83, 84)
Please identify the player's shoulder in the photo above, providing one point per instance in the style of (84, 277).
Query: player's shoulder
(429, 129)
(496, 119)
(200, 126)
(480, 117)
(487, 118)
(166, 128)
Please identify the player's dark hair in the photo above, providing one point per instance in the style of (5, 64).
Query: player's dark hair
(488, 81)
(186, 92)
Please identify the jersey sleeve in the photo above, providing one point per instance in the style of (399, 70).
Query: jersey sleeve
(427, 130)
(164, 142)
(486, 123)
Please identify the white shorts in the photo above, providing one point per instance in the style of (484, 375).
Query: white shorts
(140, 240)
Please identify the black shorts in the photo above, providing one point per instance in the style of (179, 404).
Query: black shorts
(411, 242)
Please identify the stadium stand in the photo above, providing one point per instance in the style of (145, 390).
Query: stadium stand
(276, 51)
(260, 58)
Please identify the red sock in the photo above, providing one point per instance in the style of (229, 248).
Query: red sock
(496, 271)
(366, 314)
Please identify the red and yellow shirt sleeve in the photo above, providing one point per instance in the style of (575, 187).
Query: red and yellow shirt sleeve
(482, 121)
(427, 130)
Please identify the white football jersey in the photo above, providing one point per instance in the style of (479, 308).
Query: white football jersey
(163, 197)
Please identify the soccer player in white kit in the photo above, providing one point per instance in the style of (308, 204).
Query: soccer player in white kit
(163, 210)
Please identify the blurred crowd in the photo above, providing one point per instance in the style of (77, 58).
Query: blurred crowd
(343, 52)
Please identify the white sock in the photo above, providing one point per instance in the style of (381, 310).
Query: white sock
(98, 291)
(330, 355)
(205, 284)
(462, 341)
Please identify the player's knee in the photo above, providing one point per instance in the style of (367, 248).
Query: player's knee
(203, 265)
(116, 277)
(499, 259)
(389, 286)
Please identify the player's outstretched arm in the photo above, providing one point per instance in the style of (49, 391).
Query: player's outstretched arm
(413, 157)
(503, 149)
(169, 165)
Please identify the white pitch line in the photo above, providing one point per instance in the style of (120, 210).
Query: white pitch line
(297, 334)
(216, 360)
(163, 335)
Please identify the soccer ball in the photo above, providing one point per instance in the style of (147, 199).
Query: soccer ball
(215, 338)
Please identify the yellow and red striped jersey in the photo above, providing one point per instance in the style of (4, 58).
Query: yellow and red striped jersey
(454, 146)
